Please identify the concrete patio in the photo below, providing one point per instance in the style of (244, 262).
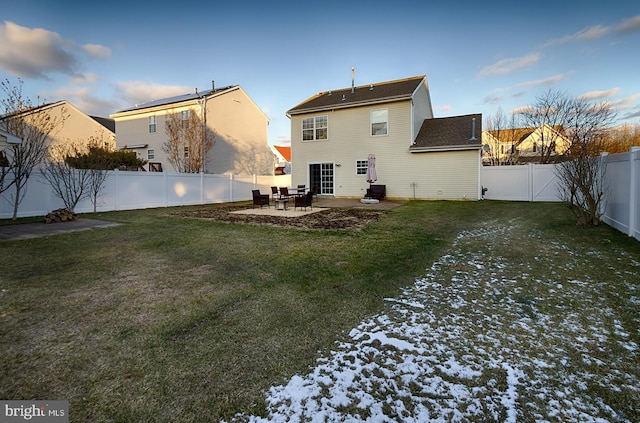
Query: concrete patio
(322, 203)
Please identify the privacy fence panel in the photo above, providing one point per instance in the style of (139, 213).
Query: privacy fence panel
(532, 182)
(140, 190)
(622, 180)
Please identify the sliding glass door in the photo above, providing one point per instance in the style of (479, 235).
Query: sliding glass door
(321, 177)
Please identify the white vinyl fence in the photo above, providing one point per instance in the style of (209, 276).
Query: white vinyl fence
(622, 208)
(535, 182)
(141, 190)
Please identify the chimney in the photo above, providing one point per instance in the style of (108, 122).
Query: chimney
(473, 130)
(353, 78)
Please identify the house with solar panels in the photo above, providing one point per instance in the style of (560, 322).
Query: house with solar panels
(238, 125)
(334, 132)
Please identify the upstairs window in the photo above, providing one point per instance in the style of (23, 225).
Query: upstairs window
(152, 124)
(315, 128)
(186, 151)
(184, 119)
(379, 122)
(361, 167)
(151, 154)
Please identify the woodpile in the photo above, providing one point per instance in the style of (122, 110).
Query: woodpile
(60, 215)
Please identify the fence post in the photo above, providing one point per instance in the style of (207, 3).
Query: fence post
(633, 188)
(531, 184)
(201, 187)
(115, 187)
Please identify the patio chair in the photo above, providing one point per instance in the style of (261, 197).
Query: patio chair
(304, 201)
(301, 189)
(274, 193)
(260, 199)
(284, 193)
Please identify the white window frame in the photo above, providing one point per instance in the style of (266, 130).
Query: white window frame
(319, 125)
(153, 124)
(383, 118)
(361, 167)
(186, 151)
(151, 154)
(184, 119)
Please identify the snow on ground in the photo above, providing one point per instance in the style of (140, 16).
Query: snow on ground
(471, 341)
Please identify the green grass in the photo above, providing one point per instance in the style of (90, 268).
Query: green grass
(167, 316)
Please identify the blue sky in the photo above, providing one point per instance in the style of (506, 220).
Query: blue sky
(477, 56)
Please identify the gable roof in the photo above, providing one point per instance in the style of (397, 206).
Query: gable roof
(381, 92)
(449, 133)
(517, 135)
(110, 124)
(285, 151)
(177, 99)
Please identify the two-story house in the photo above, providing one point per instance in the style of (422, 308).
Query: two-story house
(73, 127)
(417, 156)
(546, 144)
(238, 125)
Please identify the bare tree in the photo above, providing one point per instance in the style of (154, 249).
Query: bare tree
(33, 126)
(503, 133)
(68, 183)
(582, 177)
(188, 141)
(6, 165)
(552, 110)
(494, 125)
(620, 139)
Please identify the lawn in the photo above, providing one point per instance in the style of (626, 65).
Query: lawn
(460, 311)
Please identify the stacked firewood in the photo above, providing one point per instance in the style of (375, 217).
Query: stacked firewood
(60, 215)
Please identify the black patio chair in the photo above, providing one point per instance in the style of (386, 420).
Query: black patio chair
(260, 199)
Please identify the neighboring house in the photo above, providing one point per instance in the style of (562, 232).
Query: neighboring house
(7, 141)
(524, 145)
(238, 124)
(283, 156)
(417, 156)
(77, 127)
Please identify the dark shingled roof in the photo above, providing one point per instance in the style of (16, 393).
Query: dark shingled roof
(110, 124)
(401, 89)
(450, 133)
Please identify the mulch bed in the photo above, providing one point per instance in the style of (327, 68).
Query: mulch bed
(333, 218)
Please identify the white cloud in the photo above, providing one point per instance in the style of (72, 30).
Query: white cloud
(443, 108)
(587, 34)
(546, 81)
(506, 66)
(97, 50)
(630, 25)
(594, 95)
(138, 92)
(37, 52)
(626, 103)
(521, 109)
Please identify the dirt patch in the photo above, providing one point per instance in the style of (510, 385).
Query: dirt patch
(334, 218)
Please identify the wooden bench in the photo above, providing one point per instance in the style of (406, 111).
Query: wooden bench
(377, 191)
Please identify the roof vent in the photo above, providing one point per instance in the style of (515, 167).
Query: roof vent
(329, 93)
(473, 130)
(371, 87)
(343, 97)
